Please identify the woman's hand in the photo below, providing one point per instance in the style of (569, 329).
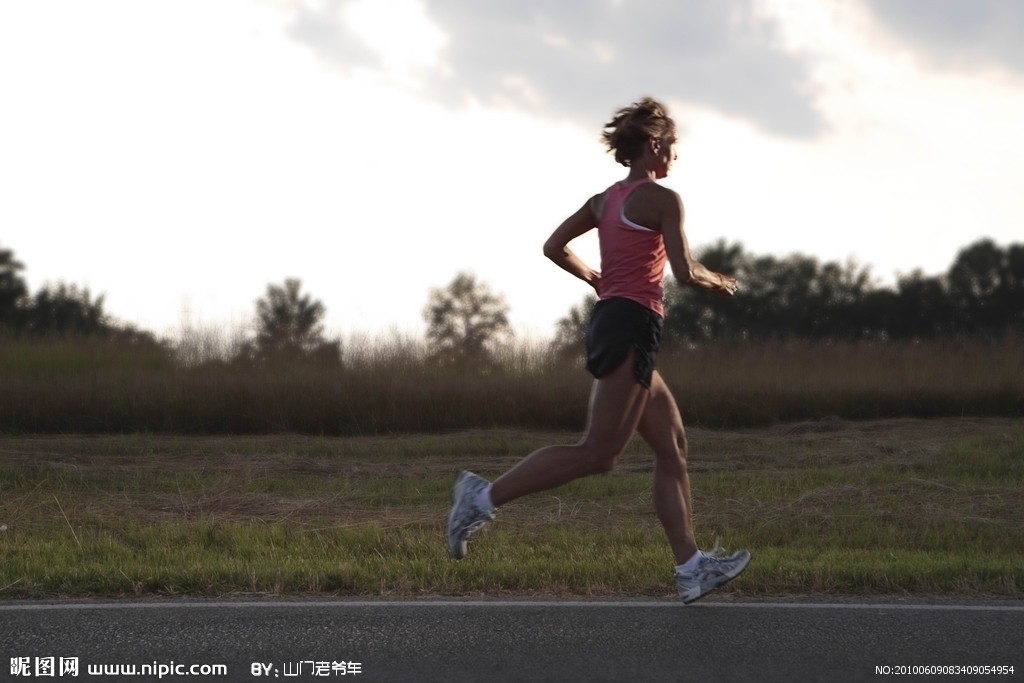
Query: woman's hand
(729, 285)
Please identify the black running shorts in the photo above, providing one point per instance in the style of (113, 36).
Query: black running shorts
(616, 326)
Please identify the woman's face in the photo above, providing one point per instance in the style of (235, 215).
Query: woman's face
(664, 156)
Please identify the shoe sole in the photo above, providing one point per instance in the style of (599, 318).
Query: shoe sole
(728, 578)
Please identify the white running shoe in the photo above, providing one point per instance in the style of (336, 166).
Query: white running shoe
(713, 571)
(466, 516)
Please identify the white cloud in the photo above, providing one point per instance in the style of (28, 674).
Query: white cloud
(567, 60)
(917, 162)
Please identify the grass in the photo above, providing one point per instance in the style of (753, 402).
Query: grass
(389, 386)
(907, 507)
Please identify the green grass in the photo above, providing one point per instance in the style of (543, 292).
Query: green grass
(916, 507)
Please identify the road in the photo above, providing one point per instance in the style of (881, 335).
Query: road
(510, 640)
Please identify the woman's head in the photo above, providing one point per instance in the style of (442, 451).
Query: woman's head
(638, 127)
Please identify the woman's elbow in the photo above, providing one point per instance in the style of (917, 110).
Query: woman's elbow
(553, 250)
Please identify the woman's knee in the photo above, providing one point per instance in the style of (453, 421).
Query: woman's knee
(672, 447)
(604, 465)
(599, 455)
(681, 445)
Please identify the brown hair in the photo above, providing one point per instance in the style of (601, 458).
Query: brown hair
(631, 127)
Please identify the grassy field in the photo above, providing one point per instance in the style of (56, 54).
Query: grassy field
(905, 507)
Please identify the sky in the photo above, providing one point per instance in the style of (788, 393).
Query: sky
(178, 156)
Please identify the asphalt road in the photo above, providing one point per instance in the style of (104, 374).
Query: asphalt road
(510, 640)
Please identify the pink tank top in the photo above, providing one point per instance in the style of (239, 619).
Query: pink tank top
(632, 256)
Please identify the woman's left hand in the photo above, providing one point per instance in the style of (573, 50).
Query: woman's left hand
(729, 285)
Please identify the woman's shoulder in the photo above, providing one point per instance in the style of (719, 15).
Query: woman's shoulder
(596, 204)
(648, 192)
(654, 192)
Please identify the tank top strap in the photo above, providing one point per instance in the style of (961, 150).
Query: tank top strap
(622, 189)
(621, 192)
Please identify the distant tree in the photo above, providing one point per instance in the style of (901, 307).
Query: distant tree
(695, 316)
(797, 297)
(1011, 295)
(986, 286)
(571, 330)
(61, 309)
(465, 321)
(779, 298)
(920, 308)
(289, 325)
(12, 289)
(64, 310)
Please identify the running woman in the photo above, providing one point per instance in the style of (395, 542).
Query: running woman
(640, 227)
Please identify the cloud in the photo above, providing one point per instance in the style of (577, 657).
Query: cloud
(958, 32)
(324, 29)
(581, 60)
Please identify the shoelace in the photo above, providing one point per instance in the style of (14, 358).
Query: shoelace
(716, 552)
(475, 526)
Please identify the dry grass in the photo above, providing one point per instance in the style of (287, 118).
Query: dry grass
(389, 386)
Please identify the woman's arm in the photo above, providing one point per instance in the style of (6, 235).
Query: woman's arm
(556, 248)
(687, 269)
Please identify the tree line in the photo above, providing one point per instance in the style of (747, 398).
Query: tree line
(466, 321)
(793, 297)
(799, 298)
(54, 309)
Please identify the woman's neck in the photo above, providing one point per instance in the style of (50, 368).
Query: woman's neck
(639, 173)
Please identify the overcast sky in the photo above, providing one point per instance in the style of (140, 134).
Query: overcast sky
(179, 155)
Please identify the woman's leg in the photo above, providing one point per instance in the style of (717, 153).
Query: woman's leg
(661, 426)
(617, 401)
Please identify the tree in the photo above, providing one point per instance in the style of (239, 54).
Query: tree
(795, 297)
(920, 308)
(289, 325)
(694, 316)
(465, 321)
(986, 285)
(798, 297)
(1011, 295)
(63, 309)
(12, 289)
(59, 309)
(571, 330)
